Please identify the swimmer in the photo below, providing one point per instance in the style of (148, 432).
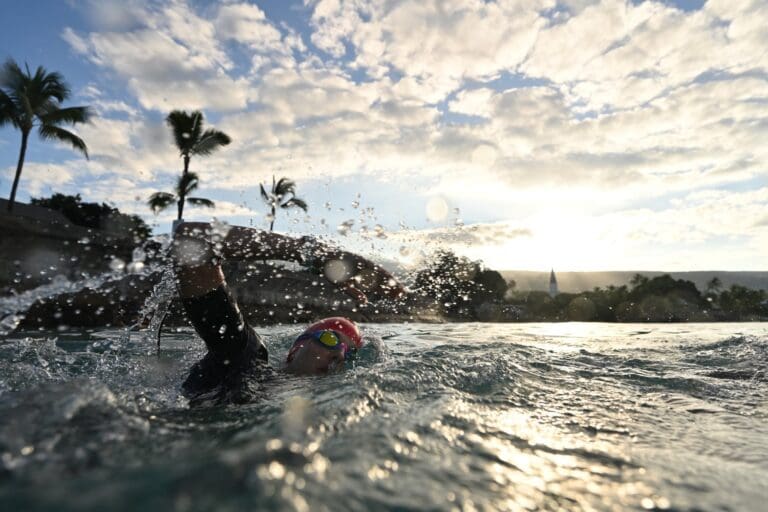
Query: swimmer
(236, 360)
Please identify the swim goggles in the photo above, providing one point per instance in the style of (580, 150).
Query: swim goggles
(328, 339)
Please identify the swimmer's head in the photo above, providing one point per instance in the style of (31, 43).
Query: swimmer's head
(324, 346)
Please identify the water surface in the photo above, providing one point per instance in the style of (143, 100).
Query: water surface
(468, 416)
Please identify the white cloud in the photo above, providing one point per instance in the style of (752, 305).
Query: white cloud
(173, 61)
(39, 178)
(642, 51)
(443, 41)
(113, 15)
(195, 33)
(246, 23)
(77, 43)
(635, 101)
(473, 102)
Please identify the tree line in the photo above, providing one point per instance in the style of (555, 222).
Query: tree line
(462, 289)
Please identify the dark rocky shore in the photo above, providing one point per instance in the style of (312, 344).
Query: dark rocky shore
(269, 294)
(38, 246)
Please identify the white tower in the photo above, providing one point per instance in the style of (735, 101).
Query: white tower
(552, 284)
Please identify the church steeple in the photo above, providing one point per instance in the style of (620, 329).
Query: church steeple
(552, 284)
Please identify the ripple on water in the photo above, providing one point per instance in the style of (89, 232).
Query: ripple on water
(431, 417)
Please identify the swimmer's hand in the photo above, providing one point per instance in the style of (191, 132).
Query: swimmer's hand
(360, 297)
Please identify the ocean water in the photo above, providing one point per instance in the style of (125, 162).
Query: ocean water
(431, 417)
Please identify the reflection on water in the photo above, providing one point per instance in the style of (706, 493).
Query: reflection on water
(465, 416)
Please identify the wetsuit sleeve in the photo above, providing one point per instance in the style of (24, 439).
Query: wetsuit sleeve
(219, 321)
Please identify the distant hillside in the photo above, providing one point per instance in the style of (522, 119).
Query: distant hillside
(574, 282)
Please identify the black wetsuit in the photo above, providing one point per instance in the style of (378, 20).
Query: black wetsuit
(236, 361)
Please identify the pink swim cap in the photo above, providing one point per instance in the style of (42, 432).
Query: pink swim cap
(341, 325)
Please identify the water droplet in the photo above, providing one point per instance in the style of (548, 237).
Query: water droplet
(138, 254)
(437, 209)
(117, 265)
(219, 229)
(345, 226)
(337, 271)
(135, 267)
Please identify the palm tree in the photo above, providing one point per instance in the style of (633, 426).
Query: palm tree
(34, 100)
(185, 186)
(280, 190)
(192, 140)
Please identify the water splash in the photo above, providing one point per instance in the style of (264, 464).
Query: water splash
(12, 308)
(155, 307)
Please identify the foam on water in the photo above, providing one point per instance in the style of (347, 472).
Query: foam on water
(483, 416)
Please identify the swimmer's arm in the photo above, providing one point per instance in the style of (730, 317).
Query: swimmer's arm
(242, 242)
(198, 271)
(210, 306)
(249, 243)
(364, 276)
(197, 249)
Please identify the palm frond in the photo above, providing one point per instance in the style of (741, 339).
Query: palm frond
(50, 85)
(42, 106)
(187, 183)
(284, 187)
(8, 111)
(12, 77)
(16, 85)
(210, 141)
(160, 201)
(295, 202)
(186, 128)
(69, 115)
(264, 194)
(50, 132)
(199, 201)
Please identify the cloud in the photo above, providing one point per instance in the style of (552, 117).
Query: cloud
(473, 102)
(510, 109)
(172, 60)
(642, 51)
(112, 15)
(39, 178)
(437, 41)
(77, 43)
(291, 113)
(494, 234)
(246, 23)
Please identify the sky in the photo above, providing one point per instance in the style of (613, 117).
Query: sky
(530, 134)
